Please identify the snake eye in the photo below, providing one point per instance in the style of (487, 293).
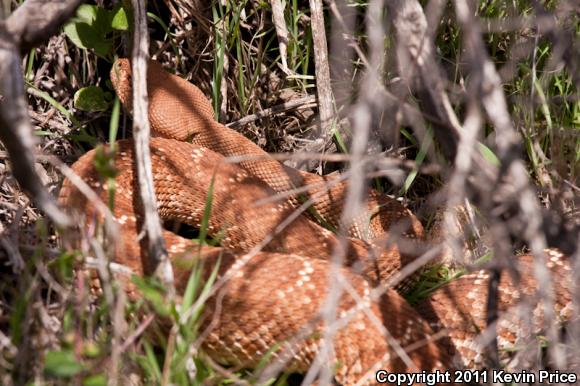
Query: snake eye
(116, 69)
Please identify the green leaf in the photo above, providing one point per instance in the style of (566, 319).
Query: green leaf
(192, 287)
(149, 363)
(88, 29)
(154, 293)
(95, 380)
(85, 36)
(87, 13)
(91, 350)
(43, 133)
(62, 364)
(96, 17)
(206, 212)
(102, 23)
(119, 20)
(427, 142)
(91, 99)
(339, 140)
(488, 154)
(114, 121)
(105, 162)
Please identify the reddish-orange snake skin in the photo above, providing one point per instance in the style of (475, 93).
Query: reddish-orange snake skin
(278, 292)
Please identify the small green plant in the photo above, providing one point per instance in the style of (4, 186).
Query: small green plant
(431, 279)
(62, 364)
(95, 28)
(92, 99)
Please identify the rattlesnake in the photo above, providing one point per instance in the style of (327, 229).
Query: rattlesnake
(275, 294)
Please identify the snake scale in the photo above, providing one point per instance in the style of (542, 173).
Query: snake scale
(272, 297)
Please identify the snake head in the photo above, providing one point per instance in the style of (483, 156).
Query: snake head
(121, 78)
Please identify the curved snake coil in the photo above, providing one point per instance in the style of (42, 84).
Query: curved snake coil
(271, 299)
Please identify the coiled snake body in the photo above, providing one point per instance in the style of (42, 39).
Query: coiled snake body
(274, 298)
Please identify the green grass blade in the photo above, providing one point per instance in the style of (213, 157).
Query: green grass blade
(418, 161)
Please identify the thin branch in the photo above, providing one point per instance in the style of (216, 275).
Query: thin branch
(31, 23)
(295, 104)
(156, 260)
(281, 31)
(419, 68)
(323, 89)
(355, 202)
(36, 20)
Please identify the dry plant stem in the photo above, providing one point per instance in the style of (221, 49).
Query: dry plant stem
(4, 9)
(31, 23)
(355, 200)
(111, 232)
(224, 84)
(119, 330)
(411, 116)
(281, 31)
(419, 68)
(36, 20)
(456, 193)
(16, 134)
(564, 38)
(229, 374)
(110, 225)
(410, 24)
(433, 12)
(403, 112)
(300, 103)
(104, 274)
(495, 106)
(64, 293)
(131, 339)
(115, 268)
(336, 281)
(326, 112)
(379, 291)
(382, 164)
(16, 260)
(169, 351)
(322, 70)
(156, 262)
(342, 25)
(416, 60)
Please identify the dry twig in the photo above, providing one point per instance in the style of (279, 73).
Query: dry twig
(294, 104)
(323, 88)
(281, 31)
(32, 22)
(156, 260)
